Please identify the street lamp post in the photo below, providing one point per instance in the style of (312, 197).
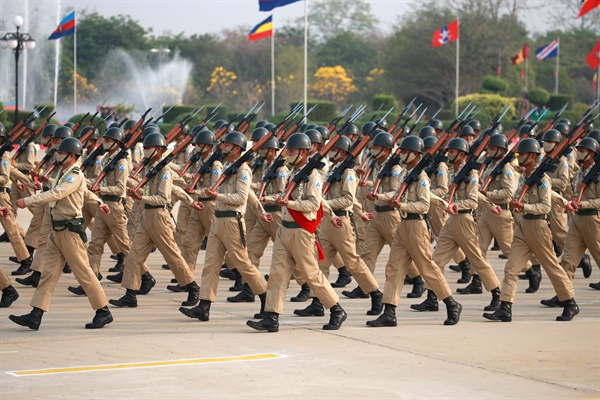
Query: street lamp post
(18, 42)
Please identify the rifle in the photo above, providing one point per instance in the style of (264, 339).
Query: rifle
(32, 138)
(472, 163)
(217, 155)
(376, 112)
(25, 121)
(98, 151)
(315, 160)
(281, 133)
(552, 121)
(245, 122)
(336, 175)
(548, 162)
(288, 132)
(8, 144)
(591, 176)
(332, 124)
(400, 116)
(514, 131)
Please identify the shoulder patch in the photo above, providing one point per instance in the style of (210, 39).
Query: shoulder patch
(69, 178)
(566, 165)
(136, 151)
(396, 173)
(281, 175)
(544, 185)
(121, 168)
(474, 180)
(244, 177)
(569, 155)
(423, 183)
(98, 162)
(509, 173)
(317, 183)
(4, 163)
(441, 173)
(32, 150)
(216, 172)
(165, 176)
(350, 178)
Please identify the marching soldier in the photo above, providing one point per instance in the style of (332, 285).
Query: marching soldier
(25, 162)
(66, 241)
(155, 229)
(294, 247)
(9, 293)
(533, 238)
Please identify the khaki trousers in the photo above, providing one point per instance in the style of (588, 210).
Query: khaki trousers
(461, 231)
(361, 225)
(4, 280)
(32, 236)
(13, 229)
(155, 229)
(412, 245)
(557, 221)
(224, 237)
(89, 211)
(183, 219)
(295, 249)
(533, 238)
(261, 235)
(490, 226)
(16, 194)
(67, 246)
(438, 216)
(39, 258)
(198, 227)
(583, 233)
(134, 218)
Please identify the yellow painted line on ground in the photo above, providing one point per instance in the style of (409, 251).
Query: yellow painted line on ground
(152, 364)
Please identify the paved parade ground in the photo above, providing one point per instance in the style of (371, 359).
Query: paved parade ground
(155, 352)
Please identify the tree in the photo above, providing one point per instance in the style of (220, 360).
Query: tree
(221, 81)
(333, 84)
(329, 18)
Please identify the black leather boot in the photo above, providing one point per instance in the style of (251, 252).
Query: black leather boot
(119, 265)
(66, 269)
(263, 300)
(534, 274)
(201, 311)
(553, 302)
(204, 242)
(376, 302)
(147, 284)
(344, 278)
(238, 286)
(430, 304)
(269, 323)
(165, 266)
(23, 268)
(495, 303)
(128, 300)
(496, 246)
(245, 296)
(418, 288)
(314, 309)
(225, 272)
(9, 295)
(117, 278)
(465, 270)
(193, 294)
(472, 288)
(388, 318)
(356, 293)
(570, 310)
(31, 320)
(595, 285)
(78, 290)
(586, 265)
(504, 313)
(31, 280)
(16, 260)
(303, 295)
(113, 257)
(102, 317)
(408, 280)
(4, 238)
(336, 319)
(453, 310)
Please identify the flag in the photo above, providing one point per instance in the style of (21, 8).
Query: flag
(522, 74)
(449, 33)
(595, 80)
(268, 5)
(593, 58)
(587, 6)
(65, 27)
(522, 56)
(554, 77)
(262, 30)
(548, 51)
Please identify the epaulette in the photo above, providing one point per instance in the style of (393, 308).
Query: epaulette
(76, 170)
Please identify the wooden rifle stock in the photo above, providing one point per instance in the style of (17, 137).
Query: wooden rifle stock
(50, 169)
(337, 173)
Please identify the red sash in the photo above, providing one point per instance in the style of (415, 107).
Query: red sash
(309, 225)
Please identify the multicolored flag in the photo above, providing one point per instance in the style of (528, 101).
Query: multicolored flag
(262, 30)
(268, 5)
(587, 6)
(522, 56)
(447, 34)
(548, 51)
(65, 27)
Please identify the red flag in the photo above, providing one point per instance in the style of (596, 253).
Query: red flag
(588, 5)
(522, 56)
(593, 58)
(595, 81)
(522, 74)
(498, 70)
(449, 33)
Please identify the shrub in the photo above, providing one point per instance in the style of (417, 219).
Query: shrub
(538, 96)
(325, 110)
(385, 101)
(557, 101)
(494, 84)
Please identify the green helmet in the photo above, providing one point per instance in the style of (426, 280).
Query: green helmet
(155, 140)
(62, 132)
(301, 128)
(49, 130)
(529, 145)
(458, 144)
(30, 125)
(476, 125)
(310, 126)
(324, 132)
(436, 124)
(185, 129)
(426, 131)
(314, 136)
(595, 134)
(429, 142)
(2, 130)
(197, 129)
(218, 123)
(589, 127)
(376, 132)
(499, 140)
(115, 133)
(384, 139)
(69, 124)
(269, 127)
(565, 121)
(466, 131)
(382, 123)
(205, 136)
(500, 128)
(552, 135)
(113, 125)
(589, 143)
(236, 138)
(526, 129)
(351, 130)
(129, 124)
(71, 145)
(258, 134)
(149, 130)
(261, 123)
(343, 143)
(298, 141)
(412, 143)
(95, 134)
(368, 127)
(271, 143)
(562, 128)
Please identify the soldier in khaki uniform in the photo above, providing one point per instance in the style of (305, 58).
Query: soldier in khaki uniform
(227, 232)
(24, 162)
(411, 243)
(559, 179)
(9, 293)
(461, 231)
(155, 229)
(66, 242)
(338, 236)
(183, 215)
(294, 247)
(533, 238)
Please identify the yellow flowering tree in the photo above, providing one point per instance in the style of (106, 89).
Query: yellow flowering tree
(333, 84)
(220, 84)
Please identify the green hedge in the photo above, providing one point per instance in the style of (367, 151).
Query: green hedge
(75, 118)
(387, 100)
(325, 110)
(557, 101)
(176, 111)
(47, 111)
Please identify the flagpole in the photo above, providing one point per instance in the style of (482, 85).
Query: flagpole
(305, 53)
(457, 72)
(56, 55)
(526, 68)
(598, 83)
(273, 71)
(557, 66)
(75, 69)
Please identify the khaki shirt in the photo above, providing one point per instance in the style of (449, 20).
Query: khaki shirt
(537, 200)
(389, 185)
(439, 181)
(341, 195)
(27, 159)
(416, 197)
(157, 192)
(115, 182)
(306, 196)
(92, 173)
(591, 195)
(560, 177)
(501, 188)
(137, 154)
(276, 187)
(5, 169)
(233, 193)
(466, 194)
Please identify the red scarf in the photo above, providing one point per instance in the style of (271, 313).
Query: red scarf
(309, 225)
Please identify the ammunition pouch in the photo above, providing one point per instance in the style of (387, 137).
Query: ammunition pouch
(74, 225)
